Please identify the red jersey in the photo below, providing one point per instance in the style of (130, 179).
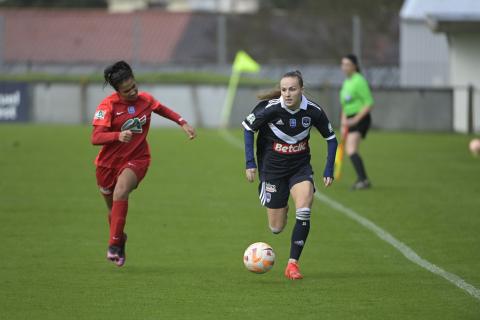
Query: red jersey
(114, 115)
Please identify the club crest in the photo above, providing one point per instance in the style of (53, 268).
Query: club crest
(131, 110)
(306, 121)
(268, 196)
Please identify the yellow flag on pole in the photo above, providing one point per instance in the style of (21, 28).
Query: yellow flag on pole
(244, 63)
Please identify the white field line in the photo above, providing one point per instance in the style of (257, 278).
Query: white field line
(231, 139)
(400, 246)
(381, 233)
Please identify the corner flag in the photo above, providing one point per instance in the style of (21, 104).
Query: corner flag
(242, 63)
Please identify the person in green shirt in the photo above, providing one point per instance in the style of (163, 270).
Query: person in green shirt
(356, 100)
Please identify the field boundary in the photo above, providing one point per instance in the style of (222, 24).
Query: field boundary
(408, 252)
(400, 246)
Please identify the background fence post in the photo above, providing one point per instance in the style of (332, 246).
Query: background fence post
(2, 47)
(357, 37)
(470, 92)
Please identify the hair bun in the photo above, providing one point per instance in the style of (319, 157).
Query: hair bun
(116, 73)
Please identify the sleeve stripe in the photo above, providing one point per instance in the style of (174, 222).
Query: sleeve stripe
(331, 137)
(246, 126)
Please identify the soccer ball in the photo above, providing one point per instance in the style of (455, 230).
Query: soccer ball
(475, 147)
(259, 257)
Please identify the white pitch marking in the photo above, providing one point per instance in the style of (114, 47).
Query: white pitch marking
(234, 141)
(400, 246)
(381, 233)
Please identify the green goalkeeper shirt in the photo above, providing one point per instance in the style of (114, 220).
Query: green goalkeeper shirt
(355, 94)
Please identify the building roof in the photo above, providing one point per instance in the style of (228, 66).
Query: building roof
(451, 22)
(90, 36)
(420, 9)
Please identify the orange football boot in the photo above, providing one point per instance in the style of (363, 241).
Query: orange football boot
(292, 271)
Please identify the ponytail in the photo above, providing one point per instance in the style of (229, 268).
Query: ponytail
(275, 93)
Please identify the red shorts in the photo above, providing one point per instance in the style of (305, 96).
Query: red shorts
(107, 177)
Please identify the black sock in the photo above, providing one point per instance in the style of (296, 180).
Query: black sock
(300, 232)
(359, 167)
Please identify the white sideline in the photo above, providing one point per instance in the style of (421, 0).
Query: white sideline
(400, 246)
(381, 233)
(227, 136)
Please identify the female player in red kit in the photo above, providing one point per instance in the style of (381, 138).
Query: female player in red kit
(121, 124)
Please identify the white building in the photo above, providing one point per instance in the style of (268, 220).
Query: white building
(126, 5)
(463, 33)
(440, 46)
(423, 54)
(222, 6)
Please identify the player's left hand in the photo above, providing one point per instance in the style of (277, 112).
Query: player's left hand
(189, 130)
(327, 181)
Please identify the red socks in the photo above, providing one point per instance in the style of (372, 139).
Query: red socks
(118, 218)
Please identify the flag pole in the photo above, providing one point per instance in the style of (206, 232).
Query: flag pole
(231, 92)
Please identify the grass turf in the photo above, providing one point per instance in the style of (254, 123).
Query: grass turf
(194, 214)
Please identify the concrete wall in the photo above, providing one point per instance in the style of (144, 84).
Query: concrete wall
(416, 110)
(201, 105)
(395, 109)
(56, 103)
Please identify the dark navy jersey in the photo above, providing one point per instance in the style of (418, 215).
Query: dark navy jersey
(283, 135)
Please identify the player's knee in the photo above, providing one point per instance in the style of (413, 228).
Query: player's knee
(303, 214)
(276, 229)
(121, 192)
(351, 151)
(305, 201)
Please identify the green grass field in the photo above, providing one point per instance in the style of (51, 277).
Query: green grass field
(194, 214)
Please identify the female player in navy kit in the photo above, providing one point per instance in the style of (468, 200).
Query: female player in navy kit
(283, 120)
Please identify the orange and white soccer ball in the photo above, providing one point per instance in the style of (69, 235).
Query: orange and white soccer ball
(259, 257)
(475, 147)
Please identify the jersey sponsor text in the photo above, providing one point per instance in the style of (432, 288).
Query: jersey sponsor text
(286, 148)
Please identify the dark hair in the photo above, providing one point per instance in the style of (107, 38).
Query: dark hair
(117, 73)
(353, 58)
(276, 92)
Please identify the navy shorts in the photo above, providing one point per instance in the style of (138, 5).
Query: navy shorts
(274, 193)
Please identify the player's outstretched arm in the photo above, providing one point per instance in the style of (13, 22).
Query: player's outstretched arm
(189, 130)
(168, 113)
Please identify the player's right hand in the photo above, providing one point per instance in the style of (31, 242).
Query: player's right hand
(250, 174)
(125, 136)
